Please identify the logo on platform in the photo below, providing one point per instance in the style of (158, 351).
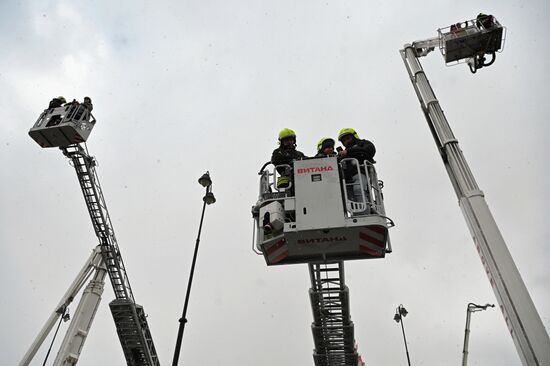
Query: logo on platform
(322, 240)
(316, 169)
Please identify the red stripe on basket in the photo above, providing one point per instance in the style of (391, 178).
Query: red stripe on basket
(279, 258)
(372, 240)
(370, 251)
(378, 229)
(275, 246)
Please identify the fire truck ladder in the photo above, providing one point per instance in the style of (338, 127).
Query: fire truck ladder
(332, 327)
(130, 320)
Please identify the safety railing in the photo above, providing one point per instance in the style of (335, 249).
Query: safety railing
(279, 172)
(485, 31)
(375, 188)
(269, 189)
(483, 23)
(355, 186)
(269, 192)
(73, 112)
(361, 188)
(78, 113)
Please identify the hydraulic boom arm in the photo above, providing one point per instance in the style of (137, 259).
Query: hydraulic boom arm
(520, 314)
(93, 262)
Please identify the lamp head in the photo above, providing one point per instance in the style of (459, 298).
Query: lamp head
(403, 311)
(476, 307)
(209, 198)
(397, 318)
(205, 180)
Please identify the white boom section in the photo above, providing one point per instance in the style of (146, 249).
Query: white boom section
(521, 316)
(72, 344)
(93, 262)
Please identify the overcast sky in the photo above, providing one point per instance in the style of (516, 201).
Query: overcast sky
(183, 87)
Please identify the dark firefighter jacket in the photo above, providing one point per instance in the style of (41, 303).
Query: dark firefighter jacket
(361, 150)
(285, 156)
(55, 102)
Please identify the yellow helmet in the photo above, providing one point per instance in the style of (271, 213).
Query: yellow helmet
(347, 131)
(323, 141)
(62, 99)
(286, 132)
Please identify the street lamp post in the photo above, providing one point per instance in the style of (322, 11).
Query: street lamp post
(401, 312)
(471, 309)
(208, 199)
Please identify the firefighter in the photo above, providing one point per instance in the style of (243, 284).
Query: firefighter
(57, 102)
(363, 151)
(484, 21)
(84, 108)
(285, 154)
(325, 147)
(355, 147)
(88, 104)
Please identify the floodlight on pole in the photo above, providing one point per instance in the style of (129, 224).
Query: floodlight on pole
(205, 180)
(400, 313)
(471, 309)
(208, 199)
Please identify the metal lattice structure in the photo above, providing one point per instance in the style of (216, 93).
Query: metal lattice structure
(130, 320)
(332, 327)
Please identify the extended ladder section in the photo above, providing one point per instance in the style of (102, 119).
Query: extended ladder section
(332, 327)
(130, 320)
(133, 332)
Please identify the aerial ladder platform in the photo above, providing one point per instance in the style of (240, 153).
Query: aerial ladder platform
(68, 127)
(470, 42)
(321, 220)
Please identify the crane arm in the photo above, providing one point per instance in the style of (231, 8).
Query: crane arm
(422, 48)
(91, 263)
(73, 342)
(521, 316)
